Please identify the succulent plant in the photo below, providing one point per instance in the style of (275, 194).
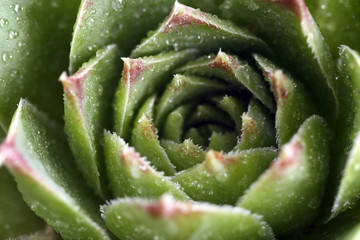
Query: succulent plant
(202, 119)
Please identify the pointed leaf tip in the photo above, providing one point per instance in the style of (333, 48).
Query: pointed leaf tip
(37, 155)
(169, 219)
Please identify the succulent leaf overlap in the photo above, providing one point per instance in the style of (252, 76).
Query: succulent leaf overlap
(224, 119)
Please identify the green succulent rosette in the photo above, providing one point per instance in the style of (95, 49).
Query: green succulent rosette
(179, 120)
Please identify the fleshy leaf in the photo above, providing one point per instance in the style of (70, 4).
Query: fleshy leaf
(100, 23)
(207, 113)
(258, 128)
(349, 191)
(37, 155)
(185, 88)
(169, 219)
(339, 22)
(141, 78)
(195, 135)
(184, 155)
(235, 71)
(222, 141)
(344, 227)
(187, 27)
(293, 102)
(11, 207)
(297, 43)
(235, 108)
(146, 140)
(3, 132)
(174, 125)
(223, 178)
(88, 94)
(30, 64)
(289, 193)
(131, 175)
(47, 234)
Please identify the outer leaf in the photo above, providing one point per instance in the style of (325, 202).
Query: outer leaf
(130, 175)
(100, 23)
(289, 193)
(31, 59)
(344, 227)
(168, 219)
(88, 95)
(223, 178)
(186, 27)
(297, 43)
(3, 132)
(349, 190)
(339, 22)
(141, 78)
(11, 207)
(36, 154)
(47, 234)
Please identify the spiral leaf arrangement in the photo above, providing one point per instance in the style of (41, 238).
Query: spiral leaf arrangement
(233, 124)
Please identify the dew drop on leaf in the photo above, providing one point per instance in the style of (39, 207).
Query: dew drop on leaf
(13, 34)
(3, 22)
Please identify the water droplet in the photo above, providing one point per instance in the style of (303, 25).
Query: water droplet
(14, 73)
(117, 5)
(5, 56)
(100, 89)
(16, 7)
(3, 22)
(227, 5)
(357, 167)
(3, 84)
(13, 34)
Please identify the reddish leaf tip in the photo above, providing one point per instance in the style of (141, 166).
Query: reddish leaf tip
(249, 126)
(11, 157)
(289, 157)
(129, 156)
(73, 85)
(278, 83)
(183, 16)
(166, 207)
(133, 68)
(214, 159)
(87, 5)
(224, 62)
(147, 127)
